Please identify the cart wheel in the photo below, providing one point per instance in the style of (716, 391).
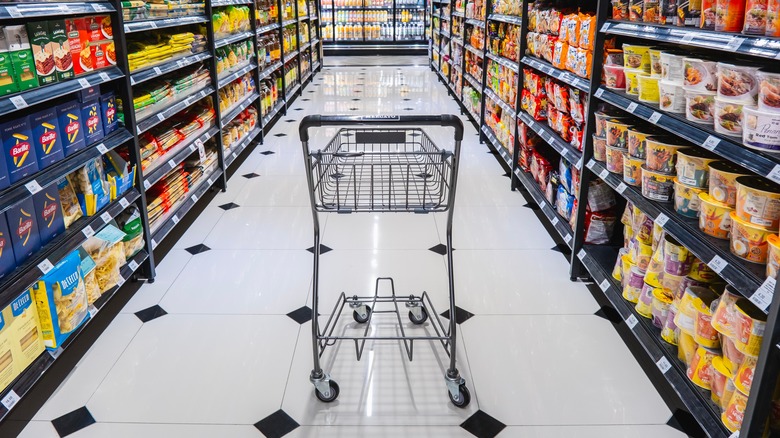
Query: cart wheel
(356, 316)
(334, 392)
(422, 319)
(464, 397)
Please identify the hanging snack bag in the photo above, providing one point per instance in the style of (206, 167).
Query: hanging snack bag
(62, 300)
(107, 250)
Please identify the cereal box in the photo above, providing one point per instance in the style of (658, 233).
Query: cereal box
(25, 331)
(7, 262)
(69, 116)
(18, 149)
(46, 136)
(61, 299)
(38, 32)
(24, 230)
(108, 112)
(93, 125)
(60, 48)
(48, 210)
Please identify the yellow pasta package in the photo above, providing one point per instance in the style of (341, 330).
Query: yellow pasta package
(107, 251)
(61, 299)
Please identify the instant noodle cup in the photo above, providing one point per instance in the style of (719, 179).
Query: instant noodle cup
(755, 17)
(686, 199)
(748, 241)
(750, 323)
(743, 379)
(626, 264)
(732, 357)
(773, 256)
(637, 141)
(643, 226)
(669, 332)
(671, 282)
(648, 88)
(714, 217)
(758, 201)
(614, 78)
(662, 154)
(773, 18)
(644, 304)
(632, 170)
(642, 255)
(656, 185)
(686, 347)
(599, 148)
(658, 234)
(662, 299)
(617, 271)
(769, 90)
(729, 15)
(632, 80)
(686, 310)
(700, 369)
(634, 284)
(721, 380)
(700, 107)
(686, 282)
(703, 332)
(655, 62)
(737, 83)
(671, 96)
(672, 67)
(614, 57)
(615, 159)
(724, 316)
(760, 129)
(728, 117)
(700, 75)
(656, 267)
(601, 122)
(701, 272)
(735, 411)
(617, 133)
(636, 57)
(723, 181)
(693, 166)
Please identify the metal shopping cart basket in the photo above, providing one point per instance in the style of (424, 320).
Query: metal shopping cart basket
(387, 167)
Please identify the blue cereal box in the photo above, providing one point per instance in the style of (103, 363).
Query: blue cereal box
(20, 157)
(7, 262)
(46, 137)
(69, 116)
(48, 210)
(108, 109)
(24, 230)
(93, 124)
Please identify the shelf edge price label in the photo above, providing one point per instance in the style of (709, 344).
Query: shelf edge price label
(106, 217)
(662, 219)
(147, 184)
(711, 142)
(160, 117)
(102, 148)
(157, 70)
(88, 231)
(605, 27)
(10, 400)
(687, 38)
(194, 198)
(567, 238)
(33, 187)
(631, 321)
(154, 244)
(599, 92)
(554, 221)
(123, 202)
(734, 44)
(632, 107)
(133, 265)
(18, 102)
(663, 365)
(762, 297)
(171, 163)
(591, 163)
(92, 311)
(774, 174)
(175, 219)
(655, 117)
(105, 78)
(621, 188)
(84, 83)
(604, 285)
(603, 174)
(717, 264)
(13, 11)
(45, 266)
(581, 254)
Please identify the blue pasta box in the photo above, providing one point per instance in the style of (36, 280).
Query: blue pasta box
(4, 181)
(93, 124)
(20, 157)
(46, 137)
(108, 109)
(69, 116)
(24, 230)
(7, 262)
(48, 210)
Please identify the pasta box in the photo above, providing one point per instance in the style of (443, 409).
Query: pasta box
(60, 48)
(93, 124)
(38, 33)
(7, 83)
(24, 230)
(24, 69)
(69, 116)
(108, 112)
(7, 262)
(25, 331)
(78, 41)
(7, 368)
(48, 210)
(46, 137)
(20, 156)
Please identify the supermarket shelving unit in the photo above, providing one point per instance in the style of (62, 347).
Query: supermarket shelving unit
(118, 78)
(595, 262)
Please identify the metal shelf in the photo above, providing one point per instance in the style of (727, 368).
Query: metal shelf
(40, 10)
(152, 120)
(458, 14)
(559, 223)
(143, 26)
(236, 109)
(288, 22)
(269, 70)
(267, 28)
(240, 146)
(304, 46)
(232, 39)
(290, 95)
(474, 83)
(303, 18)
(287, 57)
(268, 117)
(511, 19)
(567, 151)
(474, 50)
(562, 75)
(505, 106)
(236, 73)
(497, 144)
(148, 73)
(218, 3)
(504, 61)
(174, 158)
(475, 22)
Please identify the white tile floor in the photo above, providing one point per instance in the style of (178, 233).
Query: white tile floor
(226, 355)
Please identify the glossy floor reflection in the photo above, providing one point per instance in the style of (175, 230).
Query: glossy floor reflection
(227, 355)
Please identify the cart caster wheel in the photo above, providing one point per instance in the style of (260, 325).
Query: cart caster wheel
(334, 393)
(464, 397)
(422, 319)
(359, 319)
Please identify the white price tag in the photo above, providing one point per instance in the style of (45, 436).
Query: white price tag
(18, 102)
(180, 63)
(605, 27)
(123, 202)
(171, 163)
(774, 175)
(655, 117)
(192, 147)
(175, 219)
(603, 174)
(157, 70)
(632, 107)
(121, 281)
(599, 92)
(132, 80)
(88, 231)
(631, 321)
(687, 38)
(13, 11)
(662, 219)
(734, 44)
(55, 353)
(734, 435)
(105, 78)
(717, 264)
(578, 164)
(10, 400)
(581, 254)
(147, 184)
(33, 187)
(194, 198)
(97, 7)
(663, 365)
(591, 163)
(233, 155)
(209, 181)
(201, 150)
(102, 148)
(45, 266)
(762, 297)
(160, 117)
(153, 25)
(154, 244)
(564, 152)
(555, 221)
(92, 311)
(106, 217)
(604, 285)
(567, 238)
(621, 188)
(576, 83)
(133, 265)
(711, 142)
(84, 83)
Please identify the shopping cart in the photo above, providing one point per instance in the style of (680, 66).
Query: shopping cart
(393, 169)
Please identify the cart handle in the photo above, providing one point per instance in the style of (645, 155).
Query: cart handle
(315, 121)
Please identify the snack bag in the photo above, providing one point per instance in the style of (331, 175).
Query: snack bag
(107, 250)
(130, 223)
(88, 269)
(91, 186)
(71, 211)
(587, 31)
(62, 300)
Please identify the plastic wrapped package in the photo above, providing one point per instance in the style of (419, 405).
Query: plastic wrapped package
(107, 251)
(129, 222)
(564, 203)
(565, 175)
(71, 211)
(587, 31)
(600, 196)
(599, 226)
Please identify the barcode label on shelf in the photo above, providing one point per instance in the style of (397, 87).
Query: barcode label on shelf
(154, 244)
(160, 117)
(45, 266)
(581, 254)
(132, 80)
(591, 163)
(10, 400)
(631, 321)
(734, 44)
(194, 198)
(181, 63)
(554, 221)
(97, 7)
(33, 187)
(192, 147)
(567, 238)
(599, 92)
(171, 163)
(711, 142)
(147, 184)
(655, 117)
(564, 152)
(92, 311)
(13, 11)
(201, 150)
(762, 297)
(121, 281)
(621, 188)
(687, 38)
(157, 70)
(106, 217)
(774, 175)
(604, 285)
(663, 364)
(717, 264)
(661, 220)
(102, 148)
(104, 77)
(734, 435)
(175, 219)
(84, 83)
(88, 231)
(576, 82)
(605, 27)
(632, 107)
(153, 25)
(123, 202)
(18, 102)
(209, 181)
(55, 353)
(132, 265)
(603, 174)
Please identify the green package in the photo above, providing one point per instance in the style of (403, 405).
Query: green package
(38, 33)
(7, 82)
(24, 69)
(60, 47)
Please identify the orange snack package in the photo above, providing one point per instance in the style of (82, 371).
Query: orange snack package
(561, 52)
(773, 18)
(587, 31)
(574, 30)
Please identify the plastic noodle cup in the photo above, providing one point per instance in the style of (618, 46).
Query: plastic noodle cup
(769, 91)
(724, 316)
(758, 201)
(643, 226)
(637, 141)
(662, 299)
(686, 347)
(737, 83)
(599, 148)
(686, 313)
(703, 332)
(677, 258)
(626, 265)
(760, 129)
(686, 199)
(658, 234)
(648, 88)
(671, 96)
(656, 70)
(632, 170)
(628, 234)
(700, 107)
(662, 154)
(700, 368)
(735, 411)
(634, 284)
(617, 133)
(642, 255)
(617, 271)
(723, 181)
(728, 117)
(748, 241)
(701, 272)
(656, 185)
(614, 77)
(644, 304)
(773, 256)
(636, 57)
(685, 284)
(601, 122)
(671, 67)
(693, 166)
(743, 379)
(714, 217)
(615, 159)
(671, 282)
(732, 357)
(700, 75)
(627, 218)
(656, 267)
(721, 381)
(669, 331)
(632, 80)
(751, 323)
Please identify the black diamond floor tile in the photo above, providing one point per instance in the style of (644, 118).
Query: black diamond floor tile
(610, 314)
(323, 249)
(461, 315)
(267, 152)
(357, 91)
(305, 100)
(440, 249)
(281, 134)
(229, 206)
(250, 175)
(407, 100)
(276, 425)
(150, 313)
(197, 249)
(506, 175)
(408, 109)
(483, 425)
(686, 423)
(290, 120)
(353, 109)
(311, 91)
(302, 315)
(316, 85)
(298, 109)
(73, 422)
(355, 99)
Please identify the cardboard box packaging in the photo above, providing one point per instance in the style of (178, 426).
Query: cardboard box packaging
(19, 152)
(60, 48)
(38, 32)
(24, 230)
(24, 69)
(69, 116)
(93, 124)
(78, 40)
(108, 112)
(7, 262)
(48, 210)
(47, 137)
(7, 84)
(25, 331)
(7, 367)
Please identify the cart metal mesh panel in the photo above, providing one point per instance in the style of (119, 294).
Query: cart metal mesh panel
(381, 170)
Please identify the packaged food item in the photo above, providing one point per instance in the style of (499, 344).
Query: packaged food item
(107, 250)
(599, 148)
(648, 88)
(672, 66)
(693, 166)
(620, 10)
(773, 256)
(714, 217)
(686, 199)
(662, 154)
(645, 302)
(723, 181)
(769, 91)
(773, 18)
(700, 369)
(615, 159)
(615, 79)
(632, 170)
(760, 129)
(49, 213)
(703, 332)
(108, 112)
(758, 201)
(708, 8)
(688, 12)
(669, 331)
(657, 186)
(662, 299)
(61, 300)
(700, 107)
(7, 262)
(734, 414)
(632, 80)
(88, 270)
(21, 329)
(700, 75)
(617, 133)
(636, 57)
(738, 83)
(93, 123)
(72, 133)
(671, 96)
(19, 153)
(748, 241)
(724, 317)
(38, 33)
(728, 117)
(635, 8)
(22, 60)
(743, 379)
(60, 49)
(46, 137)
(755, 17)
(130, 223)
(24, 230)
(750, 327)
(91, 187)
(71, 211)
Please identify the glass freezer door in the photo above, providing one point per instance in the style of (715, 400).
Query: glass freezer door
(410, 20)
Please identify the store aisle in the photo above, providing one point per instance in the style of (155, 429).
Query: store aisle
(220, 344)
